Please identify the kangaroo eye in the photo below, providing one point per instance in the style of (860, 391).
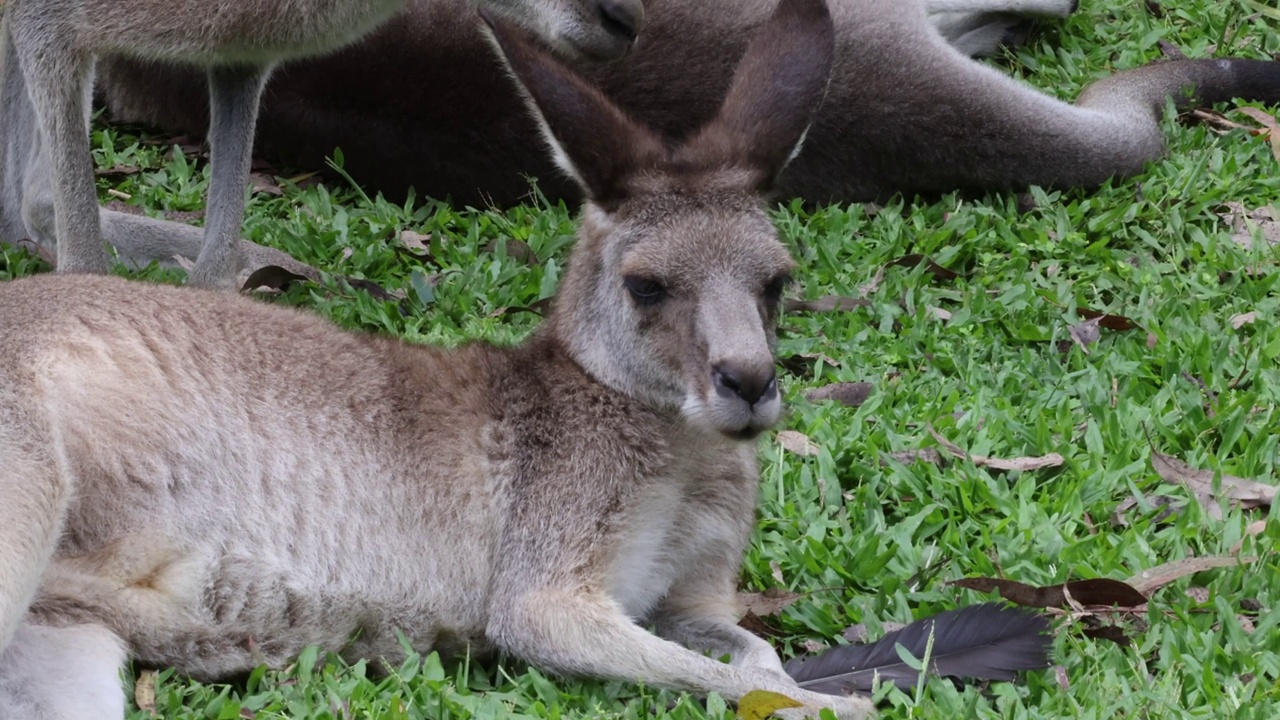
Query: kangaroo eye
(773, 290)
(644, 291)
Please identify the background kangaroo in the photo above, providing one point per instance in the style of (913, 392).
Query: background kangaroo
(49, 55)
(543, 499)
(906, 112)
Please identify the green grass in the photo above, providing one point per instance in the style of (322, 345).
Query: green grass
(992, 379)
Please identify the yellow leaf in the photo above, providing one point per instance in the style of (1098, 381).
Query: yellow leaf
(760, 704)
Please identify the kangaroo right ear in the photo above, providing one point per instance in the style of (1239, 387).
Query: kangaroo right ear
(778, 85)
(591, 139)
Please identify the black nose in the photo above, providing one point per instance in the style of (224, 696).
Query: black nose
(622, 18)
(733, 381)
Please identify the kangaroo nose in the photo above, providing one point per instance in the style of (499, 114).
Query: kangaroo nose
(752, 386)
(622, 17)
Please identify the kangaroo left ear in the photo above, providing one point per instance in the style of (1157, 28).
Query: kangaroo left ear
(778, 85)
(591, 139)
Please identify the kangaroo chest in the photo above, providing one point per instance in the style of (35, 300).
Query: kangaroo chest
(647, 550)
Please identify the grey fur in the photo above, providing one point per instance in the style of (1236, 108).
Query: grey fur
(907, 111)
(192, 475)
(50, 48)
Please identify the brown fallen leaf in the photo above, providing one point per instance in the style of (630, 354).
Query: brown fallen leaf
(1268, 122)
(756, 625)
(1265, 221)
(1114, 633)
(416, 242)
(797, 443)
(802, 364)
(938, 313)
(1099, 592)
(923, 455)
(851, 394)
(858, 633)
(1252, 529)
(516, 250)
(1152, 579)
(264, 183)
(1239, 321)
(1107, 320)
(1016, 463)
(913, 259)
(767, 602)
(270, 277)
(1198, 594)
(1236, 491)
(829, 303)
(117, 171)
(1168, 507)
(1085, 334)
(144, 691)
(873, 284)
(1216, 121)
(1170, 51)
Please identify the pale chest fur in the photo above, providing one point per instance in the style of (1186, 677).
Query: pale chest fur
(699, 513)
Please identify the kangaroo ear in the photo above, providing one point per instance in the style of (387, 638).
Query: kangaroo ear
(591, 139)
(779, 83)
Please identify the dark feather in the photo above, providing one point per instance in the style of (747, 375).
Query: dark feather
(986, 642)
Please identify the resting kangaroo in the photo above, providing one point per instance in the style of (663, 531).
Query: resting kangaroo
(906, 111)
(189, 475)
(49, 56)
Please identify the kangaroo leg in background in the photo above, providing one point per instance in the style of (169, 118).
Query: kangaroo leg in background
(58, 83)
(62, 673)
(233, 111)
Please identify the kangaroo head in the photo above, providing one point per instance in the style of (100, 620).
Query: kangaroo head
(672, 292)
(595, 30)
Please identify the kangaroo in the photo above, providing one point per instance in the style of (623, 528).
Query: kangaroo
(163, 497)
(907, 112)
(51, 47)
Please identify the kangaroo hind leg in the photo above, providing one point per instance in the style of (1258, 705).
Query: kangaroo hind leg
(234, 93)
(59, 81)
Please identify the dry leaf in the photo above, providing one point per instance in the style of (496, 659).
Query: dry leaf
(516, 250)
(416, 242)
(923, 455)
(1016, 463)
(1099, 592)
(1199, 594)
(1239, 321)
(1167, 506)
(938, 313)
(1086, 333)
(873, 284)
(797, 443)
(760, 704)
(858, 633)
(117, 171)
(1216, 121)
(1152, 340)
(1106, 320)
(144, 691)
(1252, 529)
(1060, 674)
(851, 394)
(264, 183)
(824, 304)
(271, 278)
(1237, 491)
(1244, 223)
(767, 602)
(1150, 580)
(756, 625)
(915, 259)
(1269, 122)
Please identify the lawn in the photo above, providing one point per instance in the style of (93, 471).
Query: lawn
(987, 348)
